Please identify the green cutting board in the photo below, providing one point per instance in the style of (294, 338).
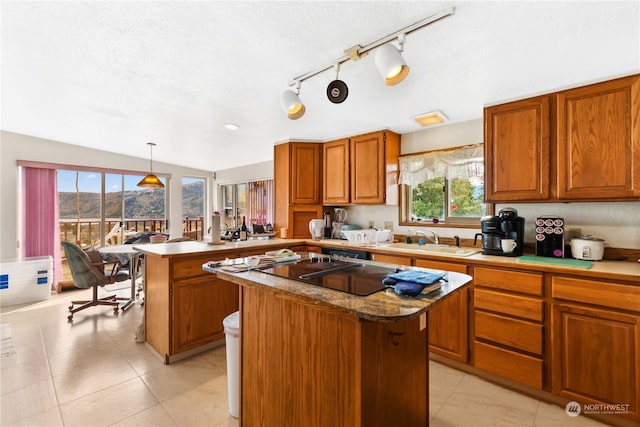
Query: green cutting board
(564, 262)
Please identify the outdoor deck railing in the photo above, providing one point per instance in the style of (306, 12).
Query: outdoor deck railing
(90, 229)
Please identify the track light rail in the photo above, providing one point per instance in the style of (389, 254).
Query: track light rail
(363, 50)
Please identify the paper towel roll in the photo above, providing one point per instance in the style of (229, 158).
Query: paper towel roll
(215, 228)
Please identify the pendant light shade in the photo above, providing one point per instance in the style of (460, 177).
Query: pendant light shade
(151, 180)
(391, 65)
(292, 105)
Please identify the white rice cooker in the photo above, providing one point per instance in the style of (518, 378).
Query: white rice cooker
(587, 248)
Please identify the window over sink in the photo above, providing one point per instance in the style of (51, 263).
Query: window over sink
(443, 187)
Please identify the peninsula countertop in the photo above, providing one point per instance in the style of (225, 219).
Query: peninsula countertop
(385, 305)
(178, 249)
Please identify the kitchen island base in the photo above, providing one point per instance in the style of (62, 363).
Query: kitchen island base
(308, 364)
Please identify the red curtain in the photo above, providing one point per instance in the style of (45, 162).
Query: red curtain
(40, 219)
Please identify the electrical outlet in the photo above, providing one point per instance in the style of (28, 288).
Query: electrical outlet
(574, 233)
(388, 225)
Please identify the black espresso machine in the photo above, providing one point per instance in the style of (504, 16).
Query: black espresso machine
(506, 225)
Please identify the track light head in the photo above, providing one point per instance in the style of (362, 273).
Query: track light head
(391, 65)
(292, 104)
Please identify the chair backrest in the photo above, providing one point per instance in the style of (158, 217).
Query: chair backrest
(84, 274)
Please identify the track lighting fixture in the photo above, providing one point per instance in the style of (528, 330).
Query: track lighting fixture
(151, 180)
(292, 104)
(389, 62)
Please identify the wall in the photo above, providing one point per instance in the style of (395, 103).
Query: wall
(14, 147)
(616, 222)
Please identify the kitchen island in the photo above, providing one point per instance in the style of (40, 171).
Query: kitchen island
(316, 356)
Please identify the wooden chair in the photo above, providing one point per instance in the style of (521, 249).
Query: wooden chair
(88, 273)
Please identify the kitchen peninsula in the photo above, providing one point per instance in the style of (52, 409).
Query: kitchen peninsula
(311, 355)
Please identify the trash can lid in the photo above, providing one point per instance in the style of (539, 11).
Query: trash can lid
(232, 321)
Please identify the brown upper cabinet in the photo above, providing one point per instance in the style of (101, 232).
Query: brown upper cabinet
(362, 169)
(298, 190)
(580, 144)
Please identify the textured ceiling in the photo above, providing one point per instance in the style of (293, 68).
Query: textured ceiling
(115, 75)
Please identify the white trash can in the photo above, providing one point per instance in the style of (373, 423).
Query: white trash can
(232, 340)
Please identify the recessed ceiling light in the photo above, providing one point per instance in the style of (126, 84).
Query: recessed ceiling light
(431, 118)
(231, 126)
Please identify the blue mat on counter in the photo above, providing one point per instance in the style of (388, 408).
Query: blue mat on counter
(564, 262)
(424, 278)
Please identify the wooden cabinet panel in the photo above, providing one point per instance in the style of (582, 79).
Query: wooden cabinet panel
(306, 167)
(367, 166)
(297, 183)
(519, 334)
(306, 365)
(300, 215)
(598, 140)
(448, 324)
(514, 305)
(517, 150)
(596, 356)
(441, 265)
(188, 268)
(612, 295)
(198, 309)
(449, 321)
(515, 281)
(391, 259)
(510, 364)
(335, 179)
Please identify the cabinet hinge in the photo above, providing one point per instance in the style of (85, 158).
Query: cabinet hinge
(384, 137)
(170, 346)
(170, 292)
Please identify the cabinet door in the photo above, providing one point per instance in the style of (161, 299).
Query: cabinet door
(306, 166)
(598, 141)
(335, 179)
(367, 159)
(198, 307)
(596, 356)
(299, 217)
(517, 151)
(448, 321)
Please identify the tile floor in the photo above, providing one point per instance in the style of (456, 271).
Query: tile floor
(93, 373)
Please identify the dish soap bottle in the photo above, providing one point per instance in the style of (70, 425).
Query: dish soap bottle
(409, 237)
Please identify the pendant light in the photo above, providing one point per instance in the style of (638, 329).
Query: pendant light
(151, 180)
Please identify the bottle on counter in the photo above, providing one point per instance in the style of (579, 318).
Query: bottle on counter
(243, 229)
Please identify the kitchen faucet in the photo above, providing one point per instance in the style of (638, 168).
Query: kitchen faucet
(435, 239)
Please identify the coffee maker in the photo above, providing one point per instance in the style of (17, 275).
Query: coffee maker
(506, 225)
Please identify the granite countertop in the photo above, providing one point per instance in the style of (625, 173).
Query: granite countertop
(385, 305)
(201, 247)
(626, 271)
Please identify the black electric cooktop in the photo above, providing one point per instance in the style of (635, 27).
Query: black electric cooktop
(351, 277)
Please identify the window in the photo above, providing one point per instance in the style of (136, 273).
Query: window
(443, 187)
(253, 200)
(193, 207)
(103, 208)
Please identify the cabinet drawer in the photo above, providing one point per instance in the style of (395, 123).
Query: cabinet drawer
(510, 364)
(440, 265)
(514, 305)
(188, 268)
(626, 297)
(516, 281)
(519, 334)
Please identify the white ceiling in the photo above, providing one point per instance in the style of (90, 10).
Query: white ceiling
(115, 75)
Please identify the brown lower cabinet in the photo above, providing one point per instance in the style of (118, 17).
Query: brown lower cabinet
(508, 324)
(596, 348)
(306, 364)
